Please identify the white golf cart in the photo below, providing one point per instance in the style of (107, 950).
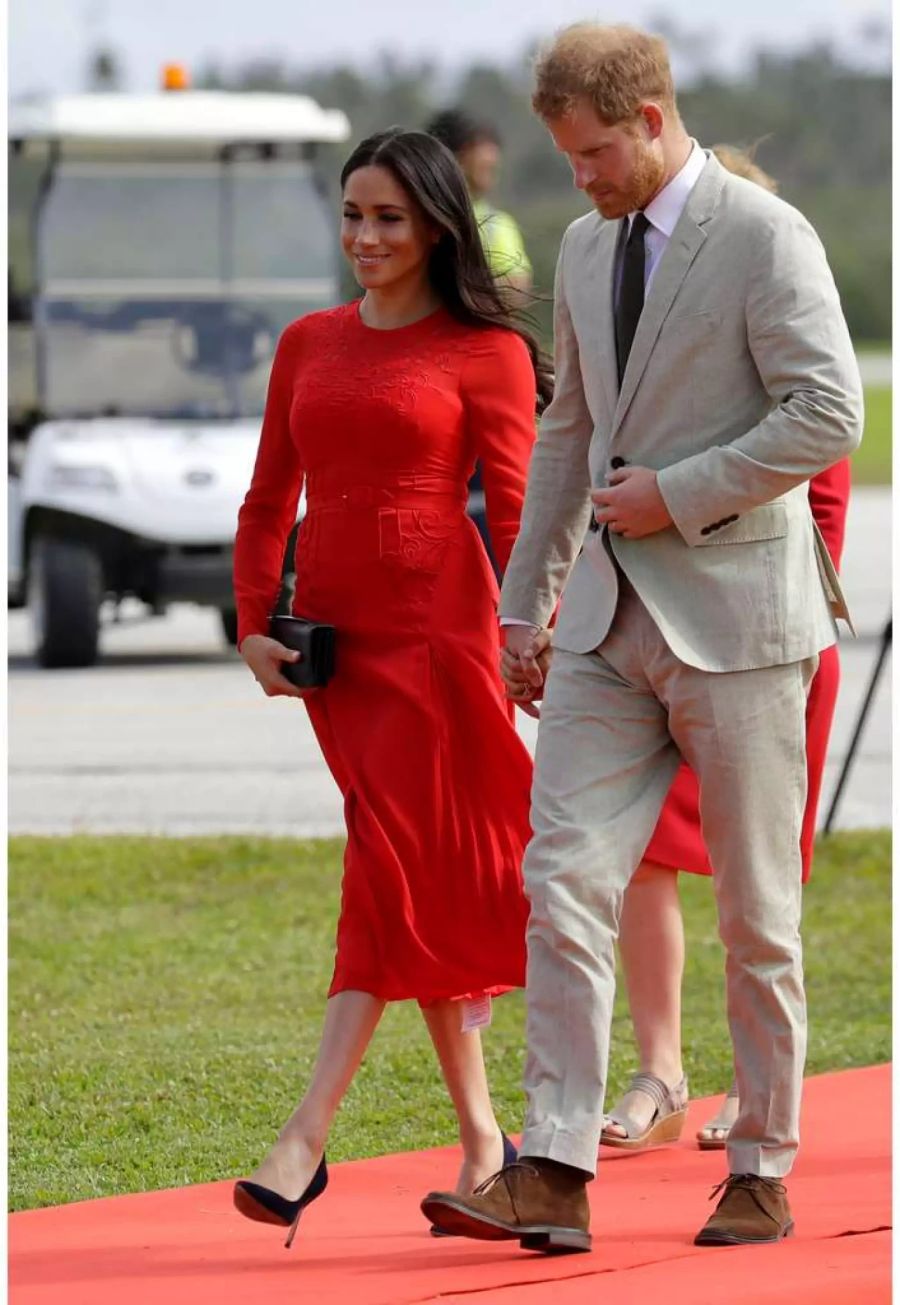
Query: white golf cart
(170, 238)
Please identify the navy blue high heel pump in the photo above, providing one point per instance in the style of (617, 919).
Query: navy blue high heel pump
(254, 1201)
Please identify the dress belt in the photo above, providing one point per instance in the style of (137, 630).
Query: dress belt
(422, 494)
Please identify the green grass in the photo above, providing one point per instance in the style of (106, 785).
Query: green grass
(166, 995)
(872, 461)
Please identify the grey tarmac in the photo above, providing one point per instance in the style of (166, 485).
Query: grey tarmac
(171, 735)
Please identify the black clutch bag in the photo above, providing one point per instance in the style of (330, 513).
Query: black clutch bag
(315, 644)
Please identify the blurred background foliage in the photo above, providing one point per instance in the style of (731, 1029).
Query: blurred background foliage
(820, 126)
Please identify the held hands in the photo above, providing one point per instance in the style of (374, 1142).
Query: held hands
(524, 663)
(632, 505)
(265, 656)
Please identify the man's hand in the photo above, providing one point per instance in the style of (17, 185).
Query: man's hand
(632, 505)
(524, 663)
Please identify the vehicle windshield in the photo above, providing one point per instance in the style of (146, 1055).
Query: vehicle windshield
(163, 287)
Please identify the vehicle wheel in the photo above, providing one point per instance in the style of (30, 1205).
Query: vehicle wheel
(65, 589)
(229, 625)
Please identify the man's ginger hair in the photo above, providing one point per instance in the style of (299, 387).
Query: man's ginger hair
(614, 68)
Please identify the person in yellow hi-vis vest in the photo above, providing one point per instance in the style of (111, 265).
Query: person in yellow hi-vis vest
(477, 148)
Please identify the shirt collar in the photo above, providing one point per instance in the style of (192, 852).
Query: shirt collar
(666, 208)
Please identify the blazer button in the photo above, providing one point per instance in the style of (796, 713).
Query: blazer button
(617, 463)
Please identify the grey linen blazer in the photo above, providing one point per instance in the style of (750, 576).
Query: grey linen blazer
(741, 385)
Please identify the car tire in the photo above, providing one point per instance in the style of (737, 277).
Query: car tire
(229, 620)
(65, 590)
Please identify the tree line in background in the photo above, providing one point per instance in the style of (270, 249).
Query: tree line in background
(820, 125)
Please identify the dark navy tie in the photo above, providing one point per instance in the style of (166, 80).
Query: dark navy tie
(631, 291)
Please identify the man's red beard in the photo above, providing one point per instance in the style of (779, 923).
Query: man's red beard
(645, 180)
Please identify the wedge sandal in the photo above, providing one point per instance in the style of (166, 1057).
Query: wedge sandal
(721, 1122)
(666, 1124)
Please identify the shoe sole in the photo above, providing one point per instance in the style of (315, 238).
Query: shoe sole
(250, 1208)
(723, 1238)
(457, 1221)
(664, 1130)
(711, 1144)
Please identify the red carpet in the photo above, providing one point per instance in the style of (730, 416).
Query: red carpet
(365, 1242)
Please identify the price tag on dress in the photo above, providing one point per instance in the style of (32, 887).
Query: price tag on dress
(476, 1013)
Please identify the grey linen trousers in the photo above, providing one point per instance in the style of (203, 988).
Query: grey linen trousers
(613, 724)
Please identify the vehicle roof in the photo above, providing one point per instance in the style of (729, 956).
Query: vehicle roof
(206, 117)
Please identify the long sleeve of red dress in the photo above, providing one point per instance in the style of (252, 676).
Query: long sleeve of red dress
(829, 493)
(270, 507)
(498, 393)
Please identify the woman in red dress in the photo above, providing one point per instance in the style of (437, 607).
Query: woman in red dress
(380, 408)
(651, 933)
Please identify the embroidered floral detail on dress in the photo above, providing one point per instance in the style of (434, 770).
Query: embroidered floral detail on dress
(446, 362)
(415, 537)
(345, 374)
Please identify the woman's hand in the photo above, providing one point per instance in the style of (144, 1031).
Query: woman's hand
(265, 658)
(524, 663)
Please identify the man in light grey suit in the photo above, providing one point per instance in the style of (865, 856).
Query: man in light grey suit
(703, 374)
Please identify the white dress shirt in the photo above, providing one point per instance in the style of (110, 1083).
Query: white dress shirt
(663, 212)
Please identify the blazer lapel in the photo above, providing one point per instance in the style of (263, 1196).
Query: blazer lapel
(602, 294)
(686, 241)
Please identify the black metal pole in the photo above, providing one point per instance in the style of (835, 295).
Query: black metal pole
(860, 722)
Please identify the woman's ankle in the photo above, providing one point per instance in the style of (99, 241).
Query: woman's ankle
(670, 1070)
(299, 1135)
(475, 1139)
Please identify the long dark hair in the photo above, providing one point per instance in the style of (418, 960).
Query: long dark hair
(457, 269)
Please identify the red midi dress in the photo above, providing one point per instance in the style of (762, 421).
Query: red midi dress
(383, 427)
(678, 841)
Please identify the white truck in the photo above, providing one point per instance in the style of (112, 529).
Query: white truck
(168, 240)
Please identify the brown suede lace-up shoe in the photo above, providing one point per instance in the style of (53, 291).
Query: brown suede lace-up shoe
(536, 1202)
(752, 1209)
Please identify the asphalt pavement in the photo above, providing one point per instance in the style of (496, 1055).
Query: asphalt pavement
(170, 734)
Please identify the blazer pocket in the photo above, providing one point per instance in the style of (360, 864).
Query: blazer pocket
(700, 322)
(767, 522)
(685, 340)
